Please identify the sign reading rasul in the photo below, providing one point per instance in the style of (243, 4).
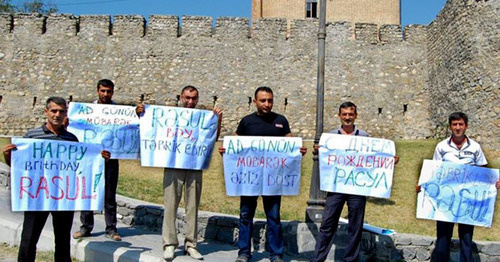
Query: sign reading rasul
(457, 193)
(255, 166)
(177, 137)
(356, 165)
(115, 127)
(56, 175)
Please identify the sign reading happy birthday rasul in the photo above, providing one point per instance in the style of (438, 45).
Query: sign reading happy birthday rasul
(356, 165)
(255, 166)
(177, 137)
(115, 127)
(457, 193)
(56, 175)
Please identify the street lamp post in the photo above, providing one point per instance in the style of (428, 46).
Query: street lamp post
(316, 201)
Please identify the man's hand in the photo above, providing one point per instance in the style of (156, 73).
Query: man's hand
(139, 109)
(303, 150)
(396, 159)
(222, 151)
(497, 184)
(6, 152)
(218, 112)
(418, 188)
(106, 155)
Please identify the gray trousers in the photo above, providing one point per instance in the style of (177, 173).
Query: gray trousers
(174, 181)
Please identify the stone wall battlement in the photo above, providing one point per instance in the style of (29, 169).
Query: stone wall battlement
(168, 26)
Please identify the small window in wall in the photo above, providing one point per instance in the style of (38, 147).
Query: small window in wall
(311, 8)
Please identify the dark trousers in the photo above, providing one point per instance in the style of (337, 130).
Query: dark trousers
(443, 242)
(331, 214)
(272, 205)
(111, 169)
(34, 221)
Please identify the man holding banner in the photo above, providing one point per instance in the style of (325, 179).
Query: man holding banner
(34, 221)
(105, 91)
(461, 150)
(175, 180)
(264, 122)
(355, 202)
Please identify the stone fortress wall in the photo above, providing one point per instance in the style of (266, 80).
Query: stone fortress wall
(405, 84)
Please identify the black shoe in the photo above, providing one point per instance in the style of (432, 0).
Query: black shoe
(241, 259)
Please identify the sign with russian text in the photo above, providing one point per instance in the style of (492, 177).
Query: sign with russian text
(256, 165)
(177, 137)
(115, 127)
(56, 175)
(457, 193)
(356, 165)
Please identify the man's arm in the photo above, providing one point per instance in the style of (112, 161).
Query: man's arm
(218, 112)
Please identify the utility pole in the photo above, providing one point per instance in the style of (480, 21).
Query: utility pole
(316, 202)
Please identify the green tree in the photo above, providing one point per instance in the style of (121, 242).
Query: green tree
(6, 7)
(36, 6)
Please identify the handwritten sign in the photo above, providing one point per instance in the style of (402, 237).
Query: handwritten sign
(255, 165)
(457, 193)
(115, 127)
(177, 137)
(56, 175)
(356, 165)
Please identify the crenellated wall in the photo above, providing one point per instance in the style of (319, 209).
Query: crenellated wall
(394, 76)
(65, 55)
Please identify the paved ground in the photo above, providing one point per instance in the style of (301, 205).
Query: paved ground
(137, 245)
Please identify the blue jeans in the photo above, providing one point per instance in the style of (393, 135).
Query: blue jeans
(331, 214)
(443, 241)
(272, 206)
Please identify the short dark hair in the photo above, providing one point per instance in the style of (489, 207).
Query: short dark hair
(189, 88)
(106, 83)
(56, 100)
(457, 116)
(347, 105)
(263, 89)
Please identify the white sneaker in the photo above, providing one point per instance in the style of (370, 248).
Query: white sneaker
(193, 253)
(168, 253)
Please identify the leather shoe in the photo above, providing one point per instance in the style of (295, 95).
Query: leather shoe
(193, 253)
(168, 253)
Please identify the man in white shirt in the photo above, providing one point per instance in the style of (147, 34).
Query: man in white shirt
(458, 148)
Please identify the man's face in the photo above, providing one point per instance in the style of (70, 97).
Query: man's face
(189, 98)
(458, 127)
(56, 115)
(263, 102)
(347, 116)
(105, 94)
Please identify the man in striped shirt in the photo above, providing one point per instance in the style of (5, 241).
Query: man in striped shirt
(34, 221)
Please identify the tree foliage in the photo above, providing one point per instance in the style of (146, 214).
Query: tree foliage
(28, 6)
(6, 7)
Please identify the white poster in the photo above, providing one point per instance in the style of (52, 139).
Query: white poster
(255, 165)
(356, 165)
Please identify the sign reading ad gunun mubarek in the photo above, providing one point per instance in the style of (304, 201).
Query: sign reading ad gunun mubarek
(177, 137)
(56, 175)
(115, 127)
(356, 165)
(457, 193)
(257, 165)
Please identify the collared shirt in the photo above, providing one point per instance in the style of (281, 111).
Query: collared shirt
(470, 153)
(270, 124)
(110, 103)
(44, 133)
(356, 132)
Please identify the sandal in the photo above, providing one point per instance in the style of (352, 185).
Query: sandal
(114, 236)
(80, 234)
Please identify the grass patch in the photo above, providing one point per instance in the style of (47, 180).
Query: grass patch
(9, 253)
(396, 213)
